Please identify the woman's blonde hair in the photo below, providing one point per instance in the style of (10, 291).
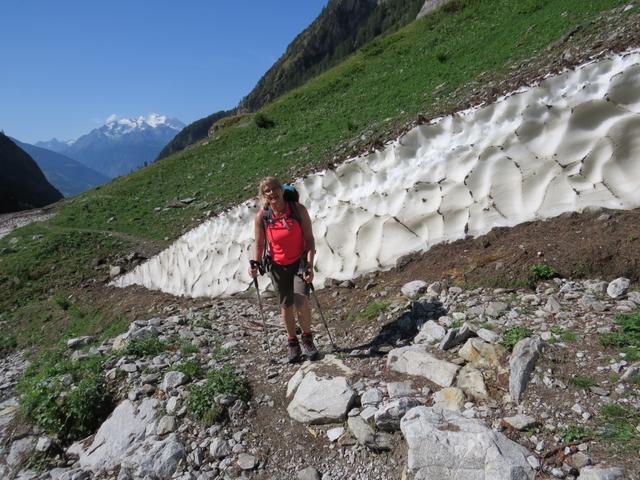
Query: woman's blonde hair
(272, 182)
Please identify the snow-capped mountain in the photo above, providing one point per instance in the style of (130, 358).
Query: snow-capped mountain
(122, 145)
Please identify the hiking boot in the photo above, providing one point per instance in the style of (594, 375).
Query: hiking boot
(309, 348)
(293, 350)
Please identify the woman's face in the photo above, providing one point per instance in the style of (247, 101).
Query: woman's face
(272, 194)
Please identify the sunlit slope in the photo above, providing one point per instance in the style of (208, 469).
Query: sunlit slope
(383, 85)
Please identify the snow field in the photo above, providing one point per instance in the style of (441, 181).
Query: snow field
(569, 143)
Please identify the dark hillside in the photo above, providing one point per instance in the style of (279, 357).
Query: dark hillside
(67, 175)
(22, 183)
(341, 28)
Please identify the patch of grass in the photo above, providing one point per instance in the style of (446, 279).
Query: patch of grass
(185, 346)
(8, 342)
(513, 335)
(564, 335)
(201, 398)
(619, 425)
(626, 338)
(67, 399)
(572, 433)
(542, 271)
(582, 382)
(456, 323)
(191, 368)
(634, 379)
(144, 347)
(374, 309)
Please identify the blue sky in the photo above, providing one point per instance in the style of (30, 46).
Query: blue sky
(69, 64)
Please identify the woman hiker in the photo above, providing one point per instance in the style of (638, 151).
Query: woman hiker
(290, 245)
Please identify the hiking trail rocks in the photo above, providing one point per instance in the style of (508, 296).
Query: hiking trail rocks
(418, 408)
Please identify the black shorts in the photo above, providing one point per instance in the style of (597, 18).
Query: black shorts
(288, 283)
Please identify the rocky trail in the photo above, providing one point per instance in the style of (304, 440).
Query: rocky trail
(424, 386)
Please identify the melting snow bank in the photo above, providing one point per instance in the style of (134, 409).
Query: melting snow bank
(569, 143)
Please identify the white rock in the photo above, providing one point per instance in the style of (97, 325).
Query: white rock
(125, 427)
(414, 360)
(400, 389)
(373, 396)
(450, 398)
(334, 434)
(172, 380)
(414, 289)
(321, 400)
(166, 424)
(522, 362)
(445, 445)
(488, 335)
(471, 381)
(618, 287)
(520, 421)
(429, 333)
(389, 414)
(219, 448)
(598, 473)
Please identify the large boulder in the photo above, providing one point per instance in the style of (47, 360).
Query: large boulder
(321, 400)
(522, 362)
(445, 445)
(414, 360)
(157, 460)
(126, 426)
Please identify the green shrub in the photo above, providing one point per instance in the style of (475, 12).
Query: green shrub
(201, 398)
(619, 425)
(190, 367)
(627, 337)
(144, 347)
(65, 398)
(374, 309)
(582, 382)
(572, 433)
(565, 335)
(513, 335)
(262, 121)
(541, 271)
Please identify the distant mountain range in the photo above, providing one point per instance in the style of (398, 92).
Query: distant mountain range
(67, 175)
(121, 145)
(22, 183)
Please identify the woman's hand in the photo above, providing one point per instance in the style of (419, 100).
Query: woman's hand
(308, 275)
(254, 268)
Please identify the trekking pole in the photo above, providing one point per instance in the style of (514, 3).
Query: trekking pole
(313, 290)
(264, 322)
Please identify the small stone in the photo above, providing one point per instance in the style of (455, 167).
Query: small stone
(247, 462)
(534, 462)
(450, 398)
(219, 448)
(334, 433)
(596, 473)
(488, 335)
(521, 422)
(309, 473)
(414, 289)
(172, 380)
(618, 287)
(579, 460)
(400, 389)
(166, 424)
(44, 444)
(372, 396)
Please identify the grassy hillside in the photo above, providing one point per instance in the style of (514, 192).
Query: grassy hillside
(428, 67)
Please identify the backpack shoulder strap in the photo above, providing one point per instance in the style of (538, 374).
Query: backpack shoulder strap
(293, 211)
